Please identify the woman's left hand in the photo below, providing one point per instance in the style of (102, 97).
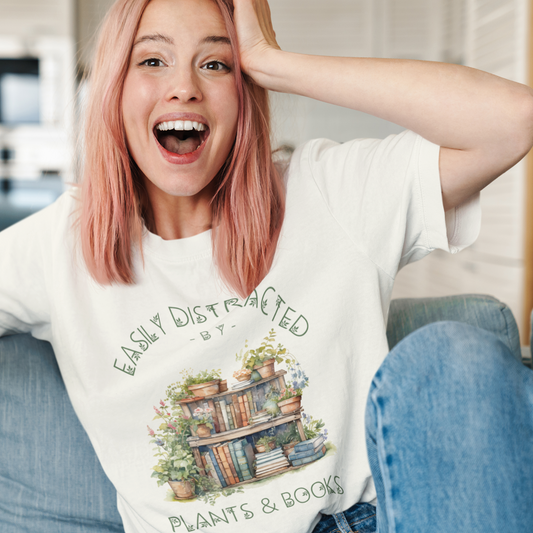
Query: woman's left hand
(255, 33)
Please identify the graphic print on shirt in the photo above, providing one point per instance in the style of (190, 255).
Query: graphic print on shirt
(213, 441)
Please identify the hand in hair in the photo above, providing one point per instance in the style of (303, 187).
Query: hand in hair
(255, 32)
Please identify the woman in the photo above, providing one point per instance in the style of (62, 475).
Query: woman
(195, 246)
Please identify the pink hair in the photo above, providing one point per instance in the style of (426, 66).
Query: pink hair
(248, 207)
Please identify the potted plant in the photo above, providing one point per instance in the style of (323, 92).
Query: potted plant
(205, 383)
(263, 358)
(202, 421)
(243, 374)
(288, 439)
(176, 465)
(266, 443)
(291, 396)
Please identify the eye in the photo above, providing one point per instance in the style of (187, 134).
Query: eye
(152, 62)
(216, 66)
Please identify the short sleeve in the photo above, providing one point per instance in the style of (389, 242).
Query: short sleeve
(26, 261)
(386, 195)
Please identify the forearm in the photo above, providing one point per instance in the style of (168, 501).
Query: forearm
(451, 105)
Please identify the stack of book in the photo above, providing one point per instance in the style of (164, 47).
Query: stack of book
(308, 451)
(260, 416)
(241, 384)
(269, 463)
(230, 462)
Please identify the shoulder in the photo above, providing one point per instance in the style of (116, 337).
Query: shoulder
(326, 155)
(54, 221)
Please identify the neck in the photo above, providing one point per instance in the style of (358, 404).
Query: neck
(179, 217)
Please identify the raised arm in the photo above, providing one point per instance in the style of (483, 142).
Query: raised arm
(483, 123)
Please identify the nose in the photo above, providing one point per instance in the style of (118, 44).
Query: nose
(185, 86)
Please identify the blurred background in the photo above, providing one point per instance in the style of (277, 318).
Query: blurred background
(46, 46)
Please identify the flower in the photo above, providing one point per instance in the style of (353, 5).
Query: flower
(151, 431)
(162, 403)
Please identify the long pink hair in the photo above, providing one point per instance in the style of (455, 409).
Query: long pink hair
(249, 204)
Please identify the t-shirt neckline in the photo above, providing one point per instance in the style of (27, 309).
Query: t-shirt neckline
(178, 250)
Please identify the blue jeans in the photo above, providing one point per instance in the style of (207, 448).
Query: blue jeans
(449, 428)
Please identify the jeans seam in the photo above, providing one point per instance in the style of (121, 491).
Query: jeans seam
(353, 525)
(342, 523)
(361, 520)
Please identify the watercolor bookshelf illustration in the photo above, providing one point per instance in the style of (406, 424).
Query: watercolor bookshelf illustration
(213, 440)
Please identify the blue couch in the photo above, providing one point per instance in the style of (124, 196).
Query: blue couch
(50, 478)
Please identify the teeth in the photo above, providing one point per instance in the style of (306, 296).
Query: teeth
(181, 125)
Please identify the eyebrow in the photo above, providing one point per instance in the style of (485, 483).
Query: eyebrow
(156, 37)
(160, 38)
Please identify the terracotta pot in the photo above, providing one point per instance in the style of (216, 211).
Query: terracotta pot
(261, 448)
(223, 387)
(288, 448)
(272, 444)
(184, 490)
(266, 369)
(188, 400)
(290, 405)
(244, 377)
(205, 389)
(203, 431)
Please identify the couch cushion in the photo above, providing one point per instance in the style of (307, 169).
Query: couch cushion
(482, 311)
(50, 478)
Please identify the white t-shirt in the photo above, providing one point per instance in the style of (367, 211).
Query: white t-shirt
(356, 213)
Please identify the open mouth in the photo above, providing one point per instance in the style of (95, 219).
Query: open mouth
(181, 136)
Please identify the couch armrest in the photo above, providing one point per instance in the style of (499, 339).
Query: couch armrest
(50, 478)
(486, 312)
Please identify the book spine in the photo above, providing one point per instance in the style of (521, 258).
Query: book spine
(230, 418)
(234, 416)
(311, 458)
(224, 413)
(261, 396)
(246, 407)
(218, 471)
(250, 455)
(257, 404)
(238, 417)
(309, 444)
(305, 453)
(204, 460)
(223, 463)
(211, 471)
(243, 465)
(243, 412)
(234, 460)
(250, 403)
(211, 404)
(232, 473)
(220, 418)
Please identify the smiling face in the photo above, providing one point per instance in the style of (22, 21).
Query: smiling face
(180, 103)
